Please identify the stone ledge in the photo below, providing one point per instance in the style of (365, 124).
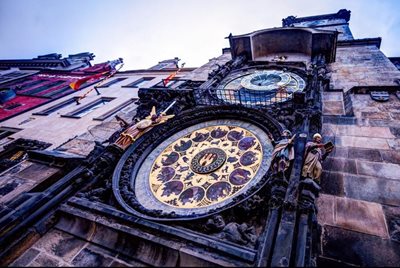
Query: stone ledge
(355, 215)
(358, 248)
(372, 189)
(363, 142)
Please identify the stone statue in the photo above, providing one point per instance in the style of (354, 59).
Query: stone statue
(133, 132)
(214, 224)
(239, 233)
(315, 153)
(283, 154)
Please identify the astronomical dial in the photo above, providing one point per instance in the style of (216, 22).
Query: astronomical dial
(261, 86)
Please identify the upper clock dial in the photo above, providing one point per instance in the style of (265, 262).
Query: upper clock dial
(261, 87)
(267, 80)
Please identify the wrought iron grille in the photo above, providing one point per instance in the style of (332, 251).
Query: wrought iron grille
(243, 97)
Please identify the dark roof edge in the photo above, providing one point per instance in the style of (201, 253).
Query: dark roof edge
(167, 70)
(361, 42)
(341, 14)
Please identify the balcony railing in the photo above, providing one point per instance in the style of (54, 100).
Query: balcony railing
(243, 97)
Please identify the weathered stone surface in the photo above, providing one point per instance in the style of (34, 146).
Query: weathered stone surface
(351, 68)
(333, 108)
(390, 156)
(332, 183)
(362, 131)
(359, 249)
(395, 131)
(364, 154)
(26, 258)
(383, 170)
(351, 214)
(375, 115)
(89, 258)
(339, 151)
(329, 130)
(38, 172)
(340, 165)
(363, 142)
(78, 227)
(332, 96)
(372, 189)
(148, 252)
(60, 244)
(44, 260)
(128, 261)
(106, 237)
(78, 146)
(326, 209)
(360, 216)
(393, 222)
(394, 144)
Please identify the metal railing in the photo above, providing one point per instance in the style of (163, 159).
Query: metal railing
(242, 97)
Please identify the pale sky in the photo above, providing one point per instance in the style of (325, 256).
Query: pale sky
(144, 32)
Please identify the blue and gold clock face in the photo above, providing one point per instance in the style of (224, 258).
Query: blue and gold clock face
(261, 86)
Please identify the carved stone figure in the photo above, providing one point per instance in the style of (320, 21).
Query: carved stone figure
(283, 154)
(239, 233)
(315, 153)
(215, 224)
(134, 132)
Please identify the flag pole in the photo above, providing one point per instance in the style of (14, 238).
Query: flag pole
(98, 84)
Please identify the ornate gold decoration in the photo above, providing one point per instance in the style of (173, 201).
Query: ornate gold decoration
(132, 133)
(205, 167)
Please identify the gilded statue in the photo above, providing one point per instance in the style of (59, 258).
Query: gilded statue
(135, 131)
(315, 153)
(283, 154)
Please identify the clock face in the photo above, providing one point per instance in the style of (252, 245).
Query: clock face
(205, 167)
(202, 168)
(264, 86)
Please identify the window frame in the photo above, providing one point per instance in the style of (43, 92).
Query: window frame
(115, 110)
(5, 130)
(112, 82)
(74, 114)
(138, 81)
(56, 107)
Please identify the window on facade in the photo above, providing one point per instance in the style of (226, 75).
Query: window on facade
(29, 84)
(15, 74)
(56, 107)
(43, 88)
(140, 82)
(11, 75)
(11, 106)
(57, 92)
(115, 110)
(89, 108)
(7, 131)
(112, 82)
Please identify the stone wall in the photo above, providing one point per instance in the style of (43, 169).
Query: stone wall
(359, 66)
(22, 178)
(359, 209)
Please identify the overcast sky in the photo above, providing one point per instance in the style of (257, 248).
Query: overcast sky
(144, 32)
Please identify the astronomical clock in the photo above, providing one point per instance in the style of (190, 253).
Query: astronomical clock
(208, 159)
(197, 167)
(260, 87)
(213, 169)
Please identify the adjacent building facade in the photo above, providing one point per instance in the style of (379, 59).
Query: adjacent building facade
(153, 171)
